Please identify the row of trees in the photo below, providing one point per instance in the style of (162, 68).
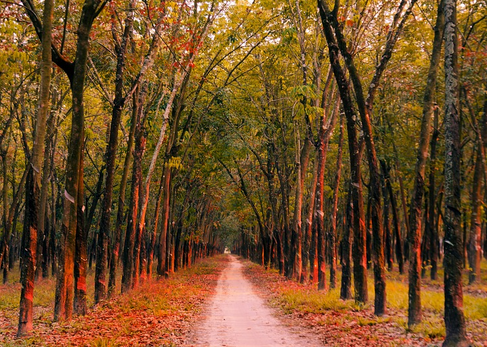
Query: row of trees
(253, 107)
(362, 42)
(152, 48)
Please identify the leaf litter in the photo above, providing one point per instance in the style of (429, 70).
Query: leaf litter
(158, 313)
(348, 324)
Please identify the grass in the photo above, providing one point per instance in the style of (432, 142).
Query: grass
(44, 290)
(43, 294)
(312, 301)
(432, 297)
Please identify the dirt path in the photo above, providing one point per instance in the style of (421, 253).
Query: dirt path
(238, 317)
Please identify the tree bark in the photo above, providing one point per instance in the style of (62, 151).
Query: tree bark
(130, 236)
(118, 105)
(319, 214)
(29, 237)
(63, 308)
(454, 317)
(326, 129)
(121, 199)
(155, 228)
(297, 223)
(81, 257)
(28, 257)
(43, 230)
(387, 222)
(414, 237)
(475, 237)
(397, 229)
(346, 283)
(359, 250)
(162, 268)
(365, 111)
(110, 156)
(309, 255)
(180, 82)
(334, 212)
(432, 200)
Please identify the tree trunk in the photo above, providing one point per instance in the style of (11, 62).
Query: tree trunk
(180, 83)
(10, 215)
(110, 156)
(29, 237)
(297, 224)
(414, 238)
(130, 236)
(28, 257)
(155, 227)
(333, 222)
(365, 106)
(121, 199)
(454, 317)
(53, 245)
(146, 185)
(327, 125)
(80, 260)
(475, 237)
(359, 250)
(404, 236)
(397, 229)
(346, 283)
(43, 230)
(319, 215)
(387, 227)
(432, 200)
(63, 308)
(4, 249)
(474, 243)
(308, 256)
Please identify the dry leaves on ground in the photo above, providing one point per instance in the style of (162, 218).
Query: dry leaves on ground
(159, 313)
(347, 324)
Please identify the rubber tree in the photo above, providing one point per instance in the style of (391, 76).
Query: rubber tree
(415, 229)
(179, 81)
(359, 254)
(120, 98)
(365, 106)
(475, 237)
(453, 259)
(63, 308)
(76, 73)
(33, 184)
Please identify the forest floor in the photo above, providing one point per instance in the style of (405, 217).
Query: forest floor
(159, 313)
(178, 311)
(344, 323)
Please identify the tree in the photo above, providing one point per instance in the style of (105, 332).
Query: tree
(65, 281)
(454, 317)
(76, 72)
(334, 34)
(474, 243)
(334, 213)
(119, 101)
(33, 184)
(111, 151)
(359, 253)
(414, 308)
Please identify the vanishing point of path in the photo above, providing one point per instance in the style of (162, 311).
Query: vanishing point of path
(238, 317)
